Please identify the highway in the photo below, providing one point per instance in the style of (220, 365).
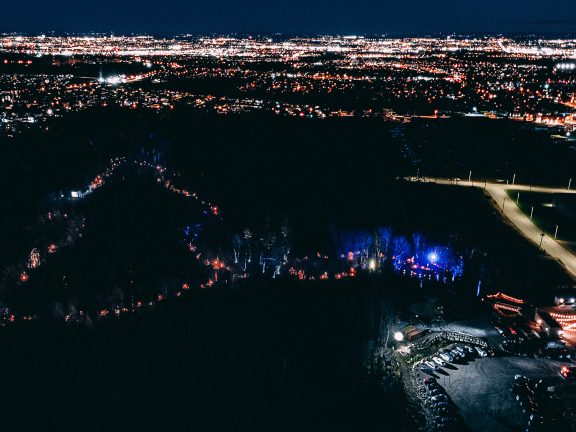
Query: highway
(522, 222)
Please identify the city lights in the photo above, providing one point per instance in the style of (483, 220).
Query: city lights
(394, 70)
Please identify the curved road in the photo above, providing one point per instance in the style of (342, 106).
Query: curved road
(522, 222)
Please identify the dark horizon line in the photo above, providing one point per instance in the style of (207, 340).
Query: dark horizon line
(393, 35)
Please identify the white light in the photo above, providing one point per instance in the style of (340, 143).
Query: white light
(372, 264)
(398, 336)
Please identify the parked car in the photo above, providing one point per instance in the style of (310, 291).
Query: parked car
(457, 354)
(426, 369)
(440, 398)
(445, 357)
(439, 361)
(448, 354)
(481, 352)
(436, 391)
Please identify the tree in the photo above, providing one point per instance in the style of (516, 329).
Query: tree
(419, 245)
(400, 247)
(385, 234)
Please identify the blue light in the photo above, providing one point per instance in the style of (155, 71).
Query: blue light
(433, 257)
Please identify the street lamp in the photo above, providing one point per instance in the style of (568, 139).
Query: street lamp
(398, 336)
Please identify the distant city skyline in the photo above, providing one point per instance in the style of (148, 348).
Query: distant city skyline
(295, 17)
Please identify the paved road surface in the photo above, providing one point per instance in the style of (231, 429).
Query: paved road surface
(522, 222)
(480, 388)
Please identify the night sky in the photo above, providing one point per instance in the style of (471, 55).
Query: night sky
(289, 16)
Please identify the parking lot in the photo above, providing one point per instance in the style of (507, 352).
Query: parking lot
(480, 389)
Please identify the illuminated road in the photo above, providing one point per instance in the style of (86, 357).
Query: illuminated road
(522, 222)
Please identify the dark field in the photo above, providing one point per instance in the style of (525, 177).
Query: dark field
(265, 355)
(550, 211)
(491, 149)
(275, 357)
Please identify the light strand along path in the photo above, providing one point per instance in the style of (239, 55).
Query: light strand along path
(522, 222)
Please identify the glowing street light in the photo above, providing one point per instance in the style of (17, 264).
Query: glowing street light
(556, 232)
(398, 336)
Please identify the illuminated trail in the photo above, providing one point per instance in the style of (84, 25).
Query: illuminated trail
(164, 180)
